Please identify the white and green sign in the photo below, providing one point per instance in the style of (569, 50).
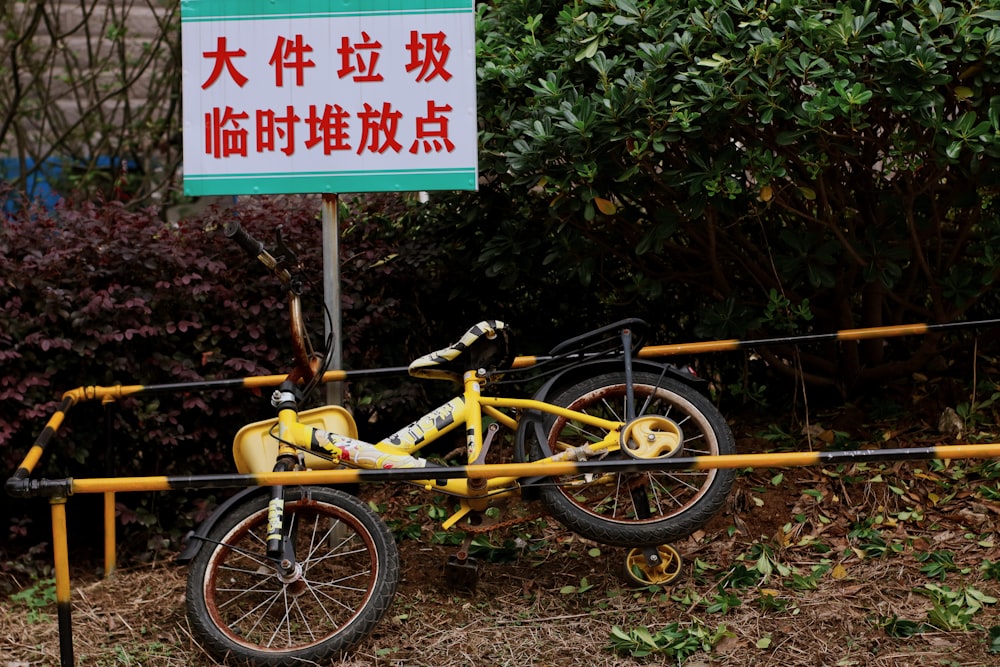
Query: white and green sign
(328, 96)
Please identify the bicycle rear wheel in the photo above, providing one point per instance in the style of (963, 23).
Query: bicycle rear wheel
(636, 509)
(245, 613)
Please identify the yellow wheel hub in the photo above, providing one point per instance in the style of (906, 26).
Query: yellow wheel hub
(652, 437)
(666, 568)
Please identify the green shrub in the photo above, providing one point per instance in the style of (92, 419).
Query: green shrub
(722, 162)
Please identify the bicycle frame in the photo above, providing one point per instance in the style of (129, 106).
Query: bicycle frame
(399, 448)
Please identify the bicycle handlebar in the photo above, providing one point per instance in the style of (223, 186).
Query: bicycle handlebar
(234, 230)
(255, 249)
(305, 362)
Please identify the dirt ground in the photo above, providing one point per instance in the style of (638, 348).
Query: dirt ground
(882, 565)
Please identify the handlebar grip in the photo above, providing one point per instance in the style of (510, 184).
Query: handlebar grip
(234, 230)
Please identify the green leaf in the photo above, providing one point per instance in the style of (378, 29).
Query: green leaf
(898, 627)
(994, 637)
(643, 635)
(627, 6)
(588, 51)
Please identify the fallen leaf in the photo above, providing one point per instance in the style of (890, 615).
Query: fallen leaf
(728, 644)
(605, 206)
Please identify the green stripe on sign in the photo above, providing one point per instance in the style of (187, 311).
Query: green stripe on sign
(333, 182)
(234, 10)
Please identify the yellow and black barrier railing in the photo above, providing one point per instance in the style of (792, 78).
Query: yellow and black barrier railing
(868, 333)
(59, 490)
(16, 485)
(63, 488)
(732, 344)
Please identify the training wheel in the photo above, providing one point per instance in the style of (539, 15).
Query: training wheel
(665, 569)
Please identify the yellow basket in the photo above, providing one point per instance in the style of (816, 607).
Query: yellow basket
(254, 448)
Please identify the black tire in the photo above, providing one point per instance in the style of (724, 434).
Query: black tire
(244, 614)
(600, 507)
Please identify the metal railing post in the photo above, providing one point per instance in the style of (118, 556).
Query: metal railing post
(60, 555)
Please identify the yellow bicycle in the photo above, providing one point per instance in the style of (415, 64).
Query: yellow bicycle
(292, 575)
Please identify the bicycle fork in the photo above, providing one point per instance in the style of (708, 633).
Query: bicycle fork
(639, 499)
(279, 547)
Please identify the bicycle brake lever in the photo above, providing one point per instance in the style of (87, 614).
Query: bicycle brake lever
(283, 254)
(287, 260)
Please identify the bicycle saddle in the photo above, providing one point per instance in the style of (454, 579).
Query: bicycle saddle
(486, 345)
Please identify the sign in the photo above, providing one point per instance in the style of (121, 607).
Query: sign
(328, 96)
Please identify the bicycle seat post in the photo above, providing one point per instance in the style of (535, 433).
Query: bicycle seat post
(474, 423)
(475, 446)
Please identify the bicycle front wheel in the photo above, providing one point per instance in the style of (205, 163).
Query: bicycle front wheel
(636, 509)
(245, 612)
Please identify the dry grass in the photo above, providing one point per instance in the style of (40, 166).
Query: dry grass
(137, 618)
(518, 614)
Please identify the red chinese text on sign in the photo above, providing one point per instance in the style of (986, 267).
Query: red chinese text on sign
(379, 124)
(428, 53)
(224, 60)
(224, 136)
(290, 54)
(271, 127)
(329, 128)
(365, 59)
(432, 131)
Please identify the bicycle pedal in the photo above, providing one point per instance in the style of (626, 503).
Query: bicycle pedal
(462, 574)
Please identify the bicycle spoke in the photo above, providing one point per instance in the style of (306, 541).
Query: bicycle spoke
(580, 430)
(329, 617)
(272, 599)
(259, 570)
(256, 589)
(319, 586)
(615, 415)
(658, 481)
(278, 625)
(341, 554)
(305, 619)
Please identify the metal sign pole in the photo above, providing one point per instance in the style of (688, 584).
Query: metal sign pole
(331, 291)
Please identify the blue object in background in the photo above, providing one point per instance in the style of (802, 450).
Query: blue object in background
(42, 182)
(39, 182)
